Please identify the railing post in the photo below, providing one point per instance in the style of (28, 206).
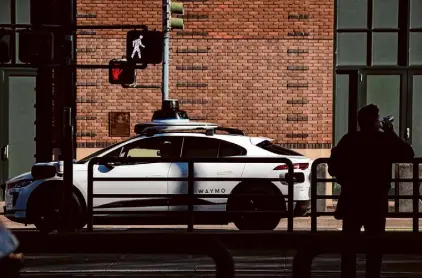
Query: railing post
(415, 195)
(314, 195)
(397, 189)
(302, 263)
(224, 263)
(190, 195)
(90, 193)
(290, 194)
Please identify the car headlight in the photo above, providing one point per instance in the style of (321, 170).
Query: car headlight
(19, 184)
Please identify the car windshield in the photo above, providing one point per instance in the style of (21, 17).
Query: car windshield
(99, 152)
(267, 145)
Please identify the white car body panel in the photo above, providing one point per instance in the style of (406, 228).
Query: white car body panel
(172, 170)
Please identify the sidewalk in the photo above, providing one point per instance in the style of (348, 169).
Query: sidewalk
(302, 224)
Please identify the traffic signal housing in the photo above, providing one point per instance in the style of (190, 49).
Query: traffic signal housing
(36, 46)
(144, 47)
(5, 46)
(121, 72)
(176, 22)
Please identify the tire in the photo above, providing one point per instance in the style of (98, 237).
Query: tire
(270, 201)
(44, 211)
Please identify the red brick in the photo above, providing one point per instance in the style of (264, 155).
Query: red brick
(247, 64)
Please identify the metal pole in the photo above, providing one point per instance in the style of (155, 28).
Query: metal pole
(191, 181)
(166, 53)
(68, 168)
(397, 188)
(69, 110)
(73, 75)
(314, 184)
(415, 196)
(90, 193)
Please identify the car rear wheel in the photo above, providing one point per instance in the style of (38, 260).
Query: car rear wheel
(257, 199)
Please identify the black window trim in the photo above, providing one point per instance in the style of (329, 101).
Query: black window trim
(155, 138)
(244, 151)
(198, 137)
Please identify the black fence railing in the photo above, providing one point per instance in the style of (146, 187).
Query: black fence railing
(191, 179)
(132, 243)
(415, 197)
(334, 242)
(216, 245)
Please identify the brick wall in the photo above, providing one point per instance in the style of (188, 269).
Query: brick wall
(263, 66)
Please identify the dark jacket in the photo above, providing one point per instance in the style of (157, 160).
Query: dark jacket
(362, 163)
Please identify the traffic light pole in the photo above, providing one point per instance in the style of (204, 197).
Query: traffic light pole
(69, 111)
(166, 52)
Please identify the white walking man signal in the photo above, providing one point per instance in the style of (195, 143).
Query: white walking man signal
(137, 44)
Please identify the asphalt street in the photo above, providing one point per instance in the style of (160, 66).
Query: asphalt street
(247, 265)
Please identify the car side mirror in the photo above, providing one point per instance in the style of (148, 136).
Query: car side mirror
(40, 172)
(108, 165)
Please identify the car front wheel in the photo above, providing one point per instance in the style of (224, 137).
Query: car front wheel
(45, 212)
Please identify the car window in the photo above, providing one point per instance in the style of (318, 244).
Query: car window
(267, 145)
(99, 152)
(152, 147)
(200, 147)
(116, 153)
(230, 149)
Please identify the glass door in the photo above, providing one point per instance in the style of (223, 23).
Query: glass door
(388, 90)
(415, 110)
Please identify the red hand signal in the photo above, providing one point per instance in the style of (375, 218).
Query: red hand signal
(116, 73)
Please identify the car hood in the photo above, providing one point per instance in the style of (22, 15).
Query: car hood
(57, 164)
(24, 176)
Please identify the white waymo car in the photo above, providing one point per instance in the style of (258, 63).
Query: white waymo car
(37, 201)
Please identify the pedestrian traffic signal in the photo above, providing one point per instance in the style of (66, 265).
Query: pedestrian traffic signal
(5, 46)
(121, 72)
(176, 22)
(144, 47)
(36, 46)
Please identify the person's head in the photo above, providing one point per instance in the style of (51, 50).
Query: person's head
(166, 149)
(141, 37)
(368, 118)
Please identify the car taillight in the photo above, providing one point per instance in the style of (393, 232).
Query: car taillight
(301, 166)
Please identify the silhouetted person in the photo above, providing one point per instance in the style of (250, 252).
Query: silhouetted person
(362, 164)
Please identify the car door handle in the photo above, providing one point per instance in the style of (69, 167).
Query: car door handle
(224, 173)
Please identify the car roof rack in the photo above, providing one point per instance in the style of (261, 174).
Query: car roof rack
(229, 130)
(164, 126)
(171, 125)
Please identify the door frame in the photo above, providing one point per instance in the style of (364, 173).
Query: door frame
(405, 118)
(410, 74)
(5, 73)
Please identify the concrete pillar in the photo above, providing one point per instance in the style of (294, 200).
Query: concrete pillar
(321, 187)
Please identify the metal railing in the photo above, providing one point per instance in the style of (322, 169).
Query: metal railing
(308, 245)
(336, 242)
(132, 243)
(415, 196)
(191, 179)
(390, 243)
